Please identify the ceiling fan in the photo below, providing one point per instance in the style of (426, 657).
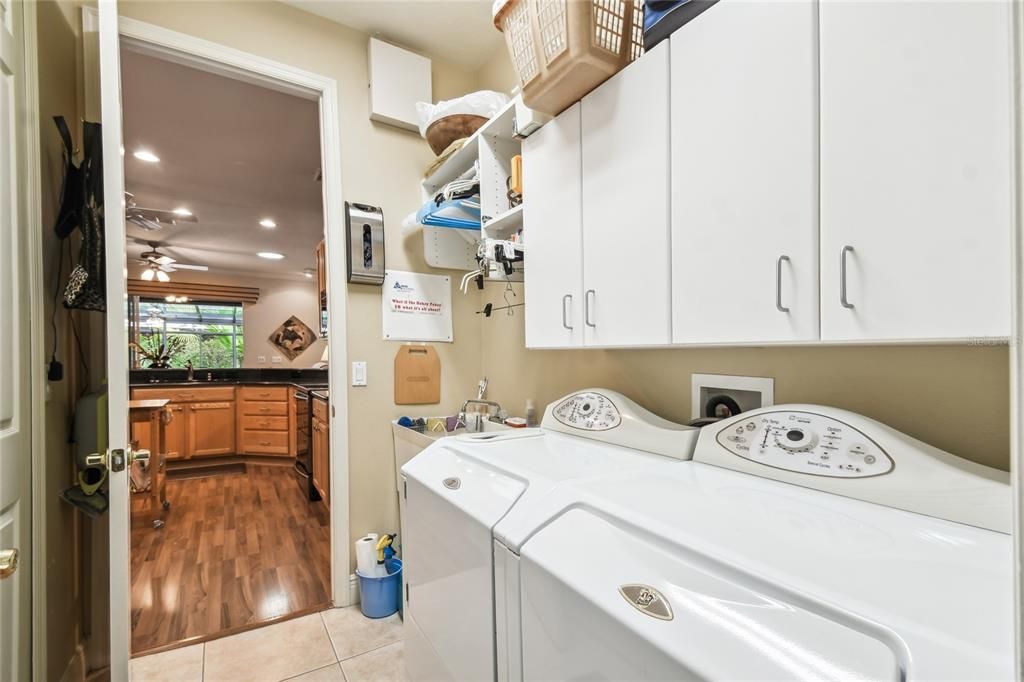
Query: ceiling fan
(159, 264)
(152, 219)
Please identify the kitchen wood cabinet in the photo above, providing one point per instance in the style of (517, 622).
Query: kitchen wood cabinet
(625, 192)
(744, 152)
(265, 420)
(320, 256)
(321, 444)
(553, 231)
(174, 433)
(211, 429)
(916, 177)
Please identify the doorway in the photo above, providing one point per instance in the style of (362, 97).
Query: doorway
(265, 415)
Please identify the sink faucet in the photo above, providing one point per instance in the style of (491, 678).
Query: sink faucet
(189, 376)
(476, 426)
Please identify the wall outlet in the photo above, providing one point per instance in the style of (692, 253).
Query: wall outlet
(358, 373)
(718, 395)
(275, 359)
(261, 359)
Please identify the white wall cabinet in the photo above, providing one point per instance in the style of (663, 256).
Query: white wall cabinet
(745, 174)
(915, 170)
(782, 173)
(626, 258)
(552, 233)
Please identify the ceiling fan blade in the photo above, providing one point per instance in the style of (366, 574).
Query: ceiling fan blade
(143, 222)
(168, 267)
(188, 266)
(163, 260)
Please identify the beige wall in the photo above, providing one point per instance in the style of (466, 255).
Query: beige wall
(381, 166)
(954, 397)
(59, 30)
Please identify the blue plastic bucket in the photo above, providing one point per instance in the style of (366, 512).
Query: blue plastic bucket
(380, 597)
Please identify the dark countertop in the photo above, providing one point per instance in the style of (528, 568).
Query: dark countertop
(227, 382)
(298, 378)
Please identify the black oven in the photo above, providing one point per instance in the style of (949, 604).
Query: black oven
(303, 448)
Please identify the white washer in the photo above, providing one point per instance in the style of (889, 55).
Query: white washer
(456, 490)
(870, 555)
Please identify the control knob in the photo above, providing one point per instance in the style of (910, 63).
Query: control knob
(796, 439)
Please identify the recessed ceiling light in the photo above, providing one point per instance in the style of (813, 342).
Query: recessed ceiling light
(147, 156)
(267, 222)
(270, 255)
(182, 211)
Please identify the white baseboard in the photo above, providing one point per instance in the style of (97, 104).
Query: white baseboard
(75, 670)
(353, 589)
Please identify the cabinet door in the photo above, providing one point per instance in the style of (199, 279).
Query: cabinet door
(744, 174)
(175, 432)
(915, 170)
(211, 429)
(626, 259)
(321, 460)
(552, 232)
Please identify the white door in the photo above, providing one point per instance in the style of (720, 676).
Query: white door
(117, 334)
(626, 259)
(15, 357)
(744, 125)
(552, 231)
(915, 169)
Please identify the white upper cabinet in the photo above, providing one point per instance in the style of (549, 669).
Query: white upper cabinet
(744, 140)
(915, 170)
(626, 258)
(552, 232)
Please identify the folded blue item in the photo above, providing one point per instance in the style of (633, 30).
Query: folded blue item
(458, 213)
(662, 17)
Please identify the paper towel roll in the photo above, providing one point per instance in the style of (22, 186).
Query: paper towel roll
(366, 555)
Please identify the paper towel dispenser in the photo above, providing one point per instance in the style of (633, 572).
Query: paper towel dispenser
(365, 226)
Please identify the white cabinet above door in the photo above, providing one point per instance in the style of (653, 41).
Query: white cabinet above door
(626, 259)
(744, 174)
(552, 233)
(915, 170)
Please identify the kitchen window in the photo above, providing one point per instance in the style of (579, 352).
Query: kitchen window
(209, 334)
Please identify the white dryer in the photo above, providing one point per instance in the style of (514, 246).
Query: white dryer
(459, 488)
(801, 542)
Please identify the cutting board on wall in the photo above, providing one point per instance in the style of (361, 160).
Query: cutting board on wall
(417, 375)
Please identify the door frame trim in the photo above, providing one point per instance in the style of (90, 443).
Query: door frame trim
(220, 59)
(31, 194)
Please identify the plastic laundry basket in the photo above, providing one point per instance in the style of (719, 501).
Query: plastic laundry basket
(563, 49)
(380, 597)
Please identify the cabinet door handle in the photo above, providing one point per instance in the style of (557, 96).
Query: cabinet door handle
(778, 284)
(586, 307)
(842, 276)
(565, 321)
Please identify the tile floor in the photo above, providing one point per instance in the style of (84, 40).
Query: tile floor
(338, 645)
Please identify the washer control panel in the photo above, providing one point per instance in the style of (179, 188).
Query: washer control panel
(805, 442)
(588, 411)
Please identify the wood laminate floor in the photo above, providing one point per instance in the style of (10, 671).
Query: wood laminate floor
(237, 550)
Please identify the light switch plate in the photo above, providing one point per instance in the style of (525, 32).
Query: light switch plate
(358, 373)
(261, 358)
(275, 359)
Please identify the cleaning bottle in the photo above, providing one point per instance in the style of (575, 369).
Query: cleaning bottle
(531, 413)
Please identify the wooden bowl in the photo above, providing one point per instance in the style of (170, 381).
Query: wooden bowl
(444, 131)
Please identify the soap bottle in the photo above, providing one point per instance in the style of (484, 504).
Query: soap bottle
(531, 413)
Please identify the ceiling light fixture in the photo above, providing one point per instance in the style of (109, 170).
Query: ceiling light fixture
(148, 274)
(182, 211)
(268, 223)
(163, 276)
(270, 255)
(147, 156)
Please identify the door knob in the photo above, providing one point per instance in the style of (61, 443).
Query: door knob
(8, 562)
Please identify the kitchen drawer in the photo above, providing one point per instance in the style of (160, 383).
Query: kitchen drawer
(261, 423)
(264, 408)
(265, 442)
(263, 393)
(183, 394)
(320, 410)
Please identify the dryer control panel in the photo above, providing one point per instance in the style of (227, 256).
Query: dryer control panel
(588, 410)
(610, 417)
(805, 442)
